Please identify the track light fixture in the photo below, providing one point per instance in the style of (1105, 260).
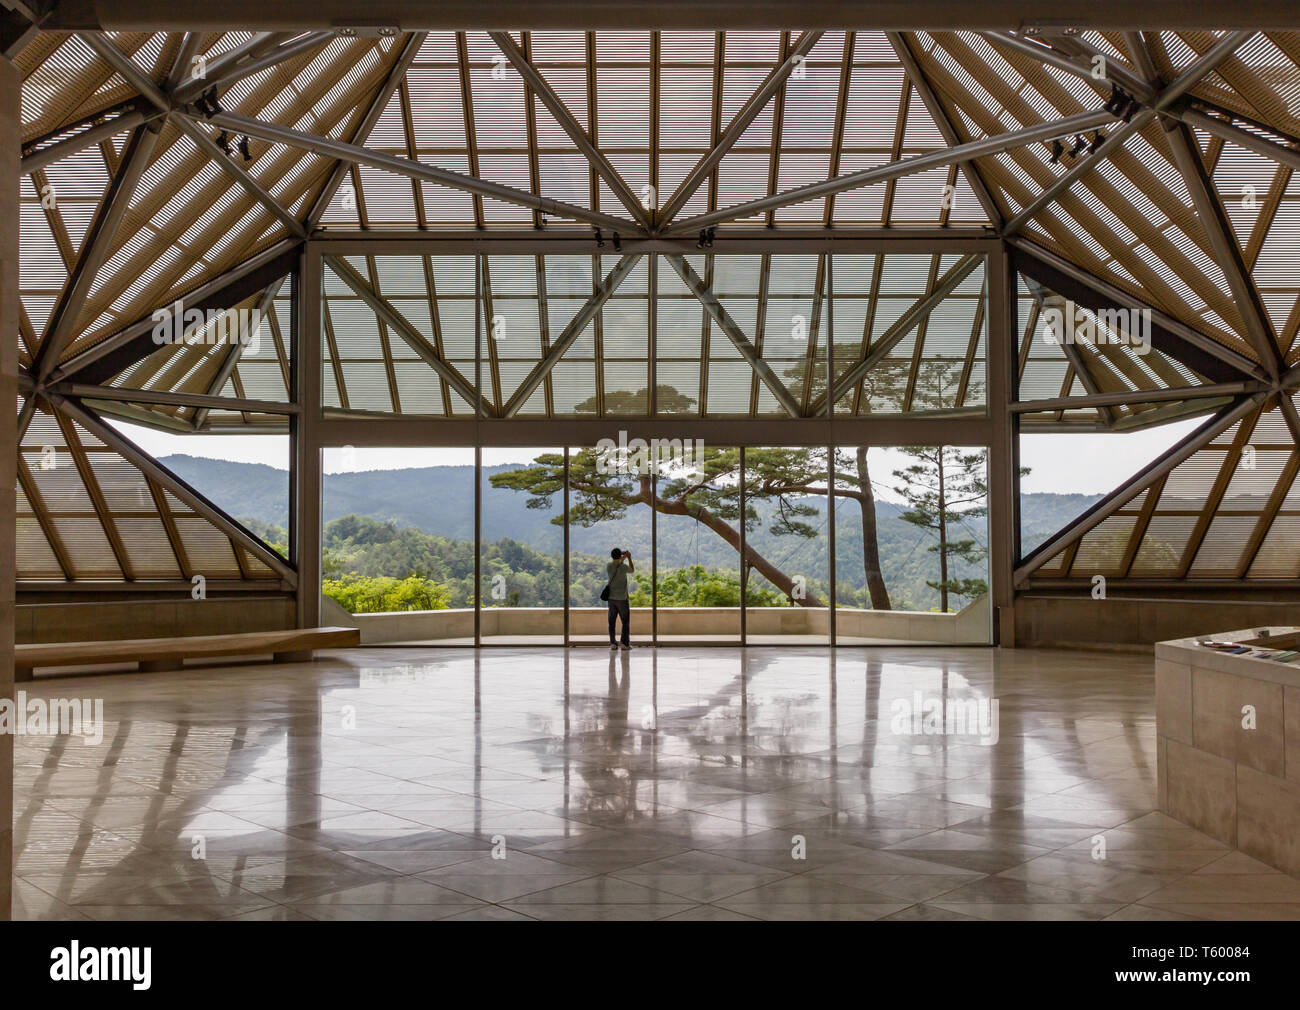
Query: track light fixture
(223, 141)
(208, 103)
(618, 243)
(1057, 150)
(1121, 104)
(600, 240)
(1115, 103)
(705, 241)
(244, 150)
(1098, 138)
(1079, 144)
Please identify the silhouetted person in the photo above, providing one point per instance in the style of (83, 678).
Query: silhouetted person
(617, 570)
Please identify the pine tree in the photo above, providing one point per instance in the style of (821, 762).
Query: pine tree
(945, 489)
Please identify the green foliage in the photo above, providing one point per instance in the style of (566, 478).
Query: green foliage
(697, 586)
(375, 594)
(275, 537)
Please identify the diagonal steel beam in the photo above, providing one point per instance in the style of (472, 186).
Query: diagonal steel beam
(31, 490)
(412, 337)
(151, 468)
(1288, 156)
(1125, 397)
(95, 249)
(1125, 493)
(226, 64)
(127, 119)
(234, 351)
(209, 289)
(1071, 352)
(124, 65)
(737, 127)
(1144, 90)
(932, 104)
(356, 154)
(1161, 102)
(1138, 88)
(1227, 251)
(127, 68)
(190, 47)
(1141, 57)
(168, 398)
(983, 147)
(410, 49)
(237, 172)
(904, 325)
(1198, 340)
(569, 334)
(555, 105)
(1116, 139)
(252, 57)
(704, 292)
(1290, 415)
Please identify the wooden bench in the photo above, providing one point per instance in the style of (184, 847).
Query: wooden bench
(158, 654)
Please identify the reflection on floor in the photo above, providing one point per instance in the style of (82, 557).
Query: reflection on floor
(708, 784)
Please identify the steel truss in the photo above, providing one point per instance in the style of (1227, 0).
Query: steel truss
(1241, 385)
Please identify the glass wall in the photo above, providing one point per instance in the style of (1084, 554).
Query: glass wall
(608, 510)
(727, 545)
(398, 538)
(698, 545)
(787, 546)
(911, 545)
(521, 546)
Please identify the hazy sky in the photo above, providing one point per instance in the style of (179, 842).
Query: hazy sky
(1065, 464)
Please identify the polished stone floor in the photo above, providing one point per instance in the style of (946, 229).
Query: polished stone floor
(658, 784)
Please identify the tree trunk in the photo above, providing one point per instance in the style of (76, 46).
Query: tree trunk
(870, 544)
(731, 535)
(943, 541)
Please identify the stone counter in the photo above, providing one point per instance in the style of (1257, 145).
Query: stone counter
(1228, 742)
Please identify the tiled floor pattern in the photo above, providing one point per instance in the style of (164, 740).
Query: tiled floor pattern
(673, 784)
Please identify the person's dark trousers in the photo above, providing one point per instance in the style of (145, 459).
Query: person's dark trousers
(617, 609)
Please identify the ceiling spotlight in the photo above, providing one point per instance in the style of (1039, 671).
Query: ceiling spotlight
(1115, 103)
(1130, 109)
(208, 104)
(370, 31)
(1079, 145)
(1057, 150)
(705, 241)
(244, 149)
(223, 141)
(618, 243)
(1098, 138)
(600, 240)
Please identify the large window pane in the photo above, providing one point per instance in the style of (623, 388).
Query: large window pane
(911, 539)
(522, 546)
(787, 589)
(698, 572)
(607, 509)
(397, 549)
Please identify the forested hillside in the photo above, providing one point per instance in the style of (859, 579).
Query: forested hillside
(398, 524)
